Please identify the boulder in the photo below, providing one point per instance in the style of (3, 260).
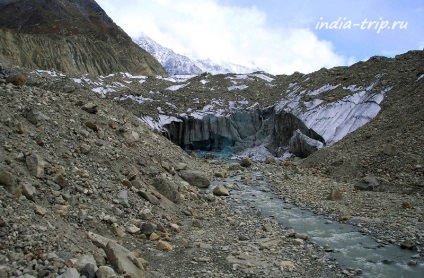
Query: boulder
(105, 272)
(167, 188)
(367, 183)
(7, 180)
(335, 194)
(149, 197)
(70, 273)
(36, 117)
(245, 162)
(195, 178)
(35, 165)
(221, 190)
(123, 260)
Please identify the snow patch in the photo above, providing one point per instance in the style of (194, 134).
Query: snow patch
(139, 99)
(49, 72)
(323, 89)
(239, 87)
(263, 77)
(176, 87)
(420, 77)
(103, 90)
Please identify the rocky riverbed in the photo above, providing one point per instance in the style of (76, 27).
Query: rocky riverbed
(87, 190)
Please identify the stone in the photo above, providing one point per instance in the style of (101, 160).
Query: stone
(195, 178)
(334, 195)
(175, 228)
(70, 273)
(20, 128)
(406, 205)
(132, 229)
(29, 191)
(301, 236)
(98, 240)
(146, 214)
(154, 237)
(92, 126)
(67, 89)
(117, 230)
(147, 229)
(90, 107)
(7, 180)
(36, 117)
(220, 190)
(408, 244)
(288, 266)
(269, 160)
(180, 166)
(127, 183)
(149, 197)
(235, 167)
(367, 183)
(298, 241)
(105, 272)
(89, 270)
(122, 198)
(123, 260)
(245, 162)
(164, 246)
(40, 210)
(85, 148)
(61, 181)
(390, 150)
(35, 165)
(167, 188)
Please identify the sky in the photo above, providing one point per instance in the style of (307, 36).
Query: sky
(277, 36)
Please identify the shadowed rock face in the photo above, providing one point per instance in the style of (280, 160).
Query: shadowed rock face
(243, 130)
(72, 36)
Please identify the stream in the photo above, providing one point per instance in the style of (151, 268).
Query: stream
(350, 247)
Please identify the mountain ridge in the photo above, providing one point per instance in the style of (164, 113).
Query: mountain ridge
(71, 36)
(177, 64)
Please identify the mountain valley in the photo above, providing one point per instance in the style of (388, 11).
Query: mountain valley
(112, 165)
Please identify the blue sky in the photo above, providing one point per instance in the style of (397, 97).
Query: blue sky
(277, 36)
(356, 42)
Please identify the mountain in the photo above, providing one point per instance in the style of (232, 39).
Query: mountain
(174, 64)
(70, 36)
(177, 64)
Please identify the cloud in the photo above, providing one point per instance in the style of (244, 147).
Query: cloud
(207, 29)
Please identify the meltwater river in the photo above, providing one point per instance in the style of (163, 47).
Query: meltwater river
(350, 248)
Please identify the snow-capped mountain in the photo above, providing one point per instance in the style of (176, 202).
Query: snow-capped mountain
(174, 64)
(177, 64)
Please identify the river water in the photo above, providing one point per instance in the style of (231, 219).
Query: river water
(344, 242)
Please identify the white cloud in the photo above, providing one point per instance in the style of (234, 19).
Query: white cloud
(207, 29)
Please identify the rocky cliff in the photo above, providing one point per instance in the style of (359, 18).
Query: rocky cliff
(74, 37)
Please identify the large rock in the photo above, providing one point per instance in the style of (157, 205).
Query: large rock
(35, 165)
(367, 183)
(105, 272)
(70, 273)
(123, 260)
(167, 188)
(7, 180)
(195, 178)
(221, 190)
